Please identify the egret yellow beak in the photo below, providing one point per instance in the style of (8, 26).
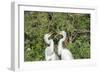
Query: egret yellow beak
(58, 33)
(50, 33)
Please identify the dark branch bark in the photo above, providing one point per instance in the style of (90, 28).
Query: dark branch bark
(74, 35)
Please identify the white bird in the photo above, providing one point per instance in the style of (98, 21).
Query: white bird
(63, 52)
(49, 51)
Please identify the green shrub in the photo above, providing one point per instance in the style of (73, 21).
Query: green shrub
(37, 24)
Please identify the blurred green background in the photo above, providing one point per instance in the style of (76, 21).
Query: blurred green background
(37, 24)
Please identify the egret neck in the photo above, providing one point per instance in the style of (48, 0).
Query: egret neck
(60, 45)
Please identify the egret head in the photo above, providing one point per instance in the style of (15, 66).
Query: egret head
(46, 37)
(62, 33)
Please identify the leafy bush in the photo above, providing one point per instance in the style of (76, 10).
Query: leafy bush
(37, 24)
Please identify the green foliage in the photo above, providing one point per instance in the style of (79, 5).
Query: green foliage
(37, 24)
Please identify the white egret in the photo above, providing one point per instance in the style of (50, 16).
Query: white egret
(63, 52)
(49, 51)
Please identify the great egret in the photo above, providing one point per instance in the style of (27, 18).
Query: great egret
(49, 51)
(63, 52)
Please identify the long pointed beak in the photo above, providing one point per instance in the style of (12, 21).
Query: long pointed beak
(51, 33)
(56, 35)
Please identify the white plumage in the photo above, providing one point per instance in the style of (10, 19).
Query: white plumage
(49, 51)
(64, 52)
